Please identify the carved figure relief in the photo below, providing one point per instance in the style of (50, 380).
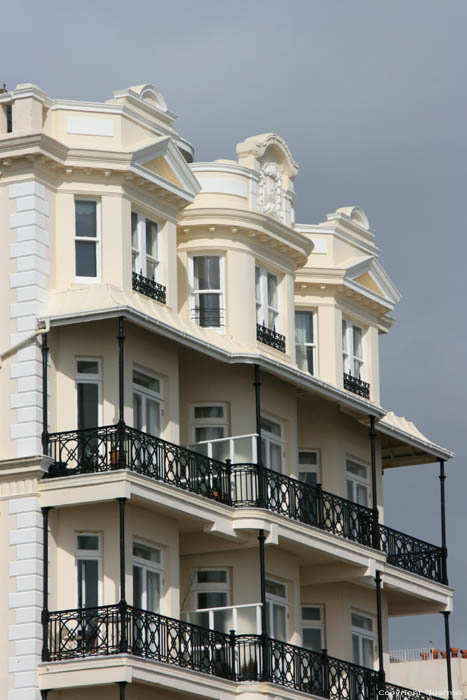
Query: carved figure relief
(270, 190)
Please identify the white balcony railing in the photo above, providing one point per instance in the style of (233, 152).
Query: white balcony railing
(244, 619)
(401, 655)
(239, 449)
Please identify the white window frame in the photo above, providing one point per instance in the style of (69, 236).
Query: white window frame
(140, 254)
(87, 239)
(314, 344)
(149, 393)
(194, 293)
(211, 587)
(90, 554)
(356, 479)
(314, 624)
(214, 422)
(150, 565)
(364, 634)
(311, 468)
(269, 438)
(262, 305)
(83, 378)
(349, 358)
(277, 600)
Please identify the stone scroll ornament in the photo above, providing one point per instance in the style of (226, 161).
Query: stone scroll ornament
(270, 190)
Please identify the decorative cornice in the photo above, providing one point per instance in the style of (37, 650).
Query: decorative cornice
(257, 146)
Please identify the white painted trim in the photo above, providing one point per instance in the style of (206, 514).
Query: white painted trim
(90, 127)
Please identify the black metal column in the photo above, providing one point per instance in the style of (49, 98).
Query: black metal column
(444, 563)
(448, 652)
(44, 694)
(45, 389)
(121, 394)
(122, 604)
(374, 483)
(122, 690)
(379, 615)
(45, 584)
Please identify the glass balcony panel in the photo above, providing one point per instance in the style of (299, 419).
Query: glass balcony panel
(247, 620)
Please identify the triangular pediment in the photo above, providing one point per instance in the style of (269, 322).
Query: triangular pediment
(366, 280)
(368, 277)
(162, 162)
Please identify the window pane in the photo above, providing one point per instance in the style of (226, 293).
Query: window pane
(87, 367)
(153, 585)
(275, 457)
(304, 326)
(365, 623)
(212, 599)
(258, 283)
(137, 587)
(312, 639)
(278, 622)
(153, 417)
(275, 588)
(270, 426)
(310, 478)
(86, 265)
(88, 542)
(88, 405)
(212, 576)
(209, 310)
(311, 613)
(368, 653)
(350, 490)
(207, 272)
(151, 238)
(307, 458)
(362, 495)
(146, 381)
(88, 583)
(209, 433)
(134, 231)
(356, 469)
(356, 649)
(138, 411)
(209, 411)
(357, 341)
(272, 290)
(86, 218)
(148, 553)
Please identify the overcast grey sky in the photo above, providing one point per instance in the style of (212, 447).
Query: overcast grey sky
(370, 95)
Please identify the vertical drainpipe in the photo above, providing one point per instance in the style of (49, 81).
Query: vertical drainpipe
(444, 571)
(382, 677)
(261, 537)
(374, 482)
(123, 607)
(121, 395)
(45, 584)
(45, 389)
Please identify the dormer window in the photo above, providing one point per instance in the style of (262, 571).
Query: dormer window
(145, 247)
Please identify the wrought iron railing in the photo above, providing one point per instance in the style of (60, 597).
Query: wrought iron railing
(270, 337)
(356, 385)
(121, 447)
(208, 318)
(113, 629)
(241, 485)
(412, 554)
(148, 287)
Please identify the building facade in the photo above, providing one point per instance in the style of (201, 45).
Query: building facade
(193, 442)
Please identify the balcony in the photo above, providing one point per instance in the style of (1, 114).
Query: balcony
(356, 386)
(238, 485)
(114, 629)
(148, 287)
(269, 337)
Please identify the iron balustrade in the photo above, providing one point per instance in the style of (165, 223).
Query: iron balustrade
(148, 287)
(241, 485)
(356, 385)
(412, 554)
(100, 631)
(208, 318)
(270, 337)
(121, 447)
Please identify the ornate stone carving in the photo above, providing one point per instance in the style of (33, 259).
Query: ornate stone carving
(270, 190)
